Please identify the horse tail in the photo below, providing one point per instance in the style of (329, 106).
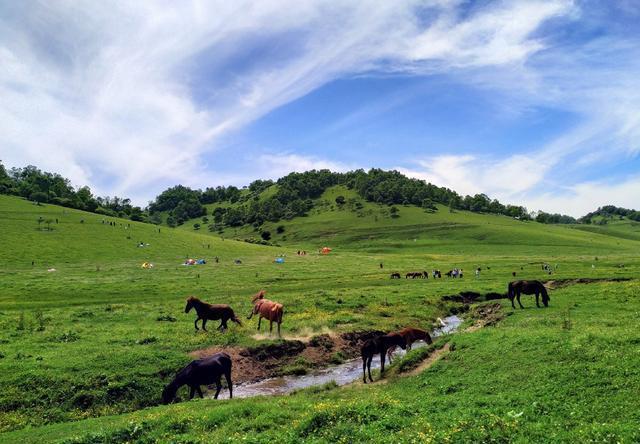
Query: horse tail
(510, 290)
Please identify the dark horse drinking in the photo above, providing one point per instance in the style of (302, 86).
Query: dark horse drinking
(516, 288)
(214, 312)
(201, 372)
(380, 345)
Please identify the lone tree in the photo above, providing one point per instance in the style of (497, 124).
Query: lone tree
(394, 212)
(38, 197)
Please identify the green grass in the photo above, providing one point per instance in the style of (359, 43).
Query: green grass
(85, 341)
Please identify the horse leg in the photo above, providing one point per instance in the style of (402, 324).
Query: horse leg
(512, 304)
(227, 376)
(199, 392)
(364, 369)
(537, 302)
(279, 328)
(383, 353)
(259, 321)
(270, 326)
(196, 323)
(204, 324)
(192, 392)
(519, 303)
(218, 388)
(369, 359)
(390, 353)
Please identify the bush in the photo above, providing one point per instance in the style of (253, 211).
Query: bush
(266, 235)
(280, 229)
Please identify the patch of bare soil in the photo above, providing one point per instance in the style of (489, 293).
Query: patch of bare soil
(485, 316)
(560, 283)
(267, 360)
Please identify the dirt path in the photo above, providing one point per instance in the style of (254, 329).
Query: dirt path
(431, 359)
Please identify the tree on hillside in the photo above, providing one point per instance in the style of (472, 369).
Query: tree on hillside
(38, 197)
(340, 200)
(171, 221)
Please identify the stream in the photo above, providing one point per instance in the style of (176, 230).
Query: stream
(342, 374)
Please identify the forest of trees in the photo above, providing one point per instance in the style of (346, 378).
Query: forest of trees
(610, 211)
(43, 187)
(290, 196)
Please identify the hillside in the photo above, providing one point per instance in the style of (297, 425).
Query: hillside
(370, 227)
(101, 336)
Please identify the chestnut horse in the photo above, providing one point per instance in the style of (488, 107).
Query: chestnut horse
(516, 288)
(410, 336)
(214, 312)
(266, 309)
(201, 372)
(380, 345)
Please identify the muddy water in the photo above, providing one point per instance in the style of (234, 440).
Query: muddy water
(342, 374)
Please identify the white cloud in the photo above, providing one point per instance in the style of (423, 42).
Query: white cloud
(127, 96)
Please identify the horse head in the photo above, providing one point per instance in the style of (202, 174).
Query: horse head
(169, 393)
(190, 304)
(256, 308)
(259, 295)
(545, 295)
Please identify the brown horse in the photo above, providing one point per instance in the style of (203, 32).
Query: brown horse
(201, 372)
(516, 288)
(214, 312)
(410, 336)
(266, 309)
(380, 345)
(395, 275)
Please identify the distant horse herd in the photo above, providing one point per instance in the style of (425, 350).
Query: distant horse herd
(210, 370)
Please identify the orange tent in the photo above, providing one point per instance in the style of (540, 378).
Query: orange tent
(325, 250)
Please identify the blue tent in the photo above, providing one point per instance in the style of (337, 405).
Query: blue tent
(279, 260)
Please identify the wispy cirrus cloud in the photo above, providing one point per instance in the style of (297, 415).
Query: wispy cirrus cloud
(129, 96)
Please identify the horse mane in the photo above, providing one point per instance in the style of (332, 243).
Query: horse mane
(259, 295)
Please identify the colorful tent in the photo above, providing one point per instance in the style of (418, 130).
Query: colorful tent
(325, 250)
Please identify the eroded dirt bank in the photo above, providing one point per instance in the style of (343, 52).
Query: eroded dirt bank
(290, 356)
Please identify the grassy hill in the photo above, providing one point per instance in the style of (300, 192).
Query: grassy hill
(101, 336)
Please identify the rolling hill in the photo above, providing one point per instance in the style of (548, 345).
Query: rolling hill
(100, 336)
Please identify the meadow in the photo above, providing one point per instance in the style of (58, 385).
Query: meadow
(86, 349)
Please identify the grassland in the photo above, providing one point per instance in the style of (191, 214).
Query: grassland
(85, 341)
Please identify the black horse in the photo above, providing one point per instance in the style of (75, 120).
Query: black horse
(380, 345)
(516, 288)
(201, 372)
(214, 312)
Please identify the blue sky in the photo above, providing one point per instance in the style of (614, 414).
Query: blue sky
(531, 102)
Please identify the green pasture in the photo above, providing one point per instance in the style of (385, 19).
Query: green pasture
(100, 336)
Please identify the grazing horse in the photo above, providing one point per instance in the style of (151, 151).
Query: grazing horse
(266, 309)
(214, 312)
(410, 336)
(425, 274)
(380, 345)
(395, 275)
(516, 288)
(201, 372)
